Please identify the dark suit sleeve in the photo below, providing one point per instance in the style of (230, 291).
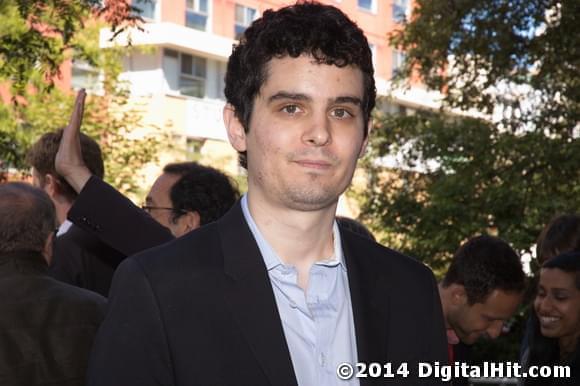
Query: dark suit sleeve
(131, 346)
(104, 212)
(438, 338)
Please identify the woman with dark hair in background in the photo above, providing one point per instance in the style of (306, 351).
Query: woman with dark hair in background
(556, 320)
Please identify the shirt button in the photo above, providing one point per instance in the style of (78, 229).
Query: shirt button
(322, 360)
(293, 304)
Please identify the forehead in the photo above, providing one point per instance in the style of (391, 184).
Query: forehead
(500, 304)
(304, 75)
(557, 278)
(162, 186)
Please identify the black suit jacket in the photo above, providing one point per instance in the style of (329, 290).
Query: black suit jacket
(81, 259)
(105, 213)
(200, 311)
(46, 327)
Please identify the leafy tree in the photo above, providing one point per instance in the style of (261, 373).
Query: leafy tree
(109, 118)
(501, 156)
(36, 35)
(507, 172)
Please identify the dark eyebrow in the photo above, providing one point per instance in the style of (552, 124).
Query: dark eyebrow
(348, 99)
(303, 97)
(288, 95)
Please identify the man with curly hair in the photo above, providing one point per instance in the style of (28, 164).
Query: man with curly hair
(275, 292)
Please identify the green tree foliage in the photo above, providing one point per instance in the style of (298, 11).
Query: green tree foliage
(36, 35)
(37, 108)
(507, 172)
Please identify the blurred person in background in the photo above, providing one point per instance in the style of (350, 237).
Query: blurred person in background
(560, 235)
(79, 257)
(46, 326)
(480, 291)
(555, 327)
(184, 197)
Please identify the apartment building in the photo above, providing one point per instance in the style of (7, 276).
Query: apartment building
(179, 78)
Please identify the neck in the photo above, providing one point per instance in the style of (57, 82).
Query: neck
(568, 345)
(62, 207)
(300, 238)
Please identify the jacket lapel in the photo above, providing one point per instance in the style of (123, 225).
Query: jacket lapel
(370, 311)
(251, 299)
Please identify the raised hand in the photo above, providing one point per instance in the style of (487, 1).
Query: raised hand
(69, 159)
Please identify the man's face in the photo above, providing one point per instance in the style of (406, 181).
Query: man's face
(158, 198)
(471, 322)
(306, 133)
(557, 304)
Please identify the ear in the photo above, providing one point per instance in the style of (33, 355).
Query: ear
(458, 295)
(235, 129)
(185, 223)
(192, 221)
(50, 185)
(365, 143)
(47, 250)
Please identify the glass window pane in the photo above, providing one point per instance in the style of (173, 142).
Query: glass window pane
(189, 4)
(366, 4)
(251, 15)
(147, 8)
(239, 14)
(186, 64)
(199, 67)
(238, 31)
(202, 6)
(192, 87)
(195, 20)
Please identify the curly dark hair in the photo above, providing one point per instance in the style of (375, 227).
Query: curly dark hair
(484, 264)
(321, 31)
(42, 153)
(202, 189)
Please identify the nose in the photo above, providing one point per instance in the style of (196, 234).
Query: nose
(495, 329)
(318, 132)
(543, 304)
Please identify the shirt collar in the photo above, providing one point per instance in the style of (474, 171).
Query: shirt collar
(271, 258)
(63, 228)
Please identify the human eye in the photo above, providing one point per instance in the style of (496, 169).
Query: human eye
(291, 109)
(341, 113)
(560, 296)
(541, 292)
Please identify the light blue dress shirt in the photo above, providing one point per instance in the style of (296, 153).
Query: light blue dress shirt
(318, 324)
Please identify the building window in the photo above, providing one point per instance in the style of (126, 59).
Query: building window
(368, 5)
(196, 14)
(400, 10)
(192, 76)
(185, 73)
(244, 17)
(145, 8)
(398, 60)
(86, 76)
